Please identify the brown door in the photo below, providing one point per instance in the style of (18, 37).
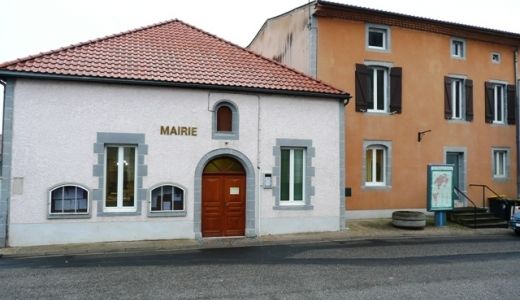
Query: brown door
(223, 198)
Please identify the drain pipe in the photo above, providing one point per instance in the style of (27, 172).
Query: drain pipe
(258, 206)
(517, 119)
(4, 211)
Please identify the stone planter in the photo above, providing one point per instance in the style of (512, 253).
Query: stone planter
(409, 219)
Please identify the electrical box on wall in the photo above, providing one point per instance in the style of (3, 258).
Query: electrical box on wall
(268, 181)
(18, 186)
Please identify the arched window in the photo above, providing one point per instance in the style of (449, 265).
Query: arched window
(69, 199)
(224, 119)
(167, 198)
(377, 164)
(224, 164)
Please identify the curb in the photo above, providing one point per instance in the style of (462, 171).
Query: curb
(162, 246)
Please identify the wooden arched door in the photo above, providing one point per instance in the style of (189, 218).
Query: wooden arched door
(223, 198)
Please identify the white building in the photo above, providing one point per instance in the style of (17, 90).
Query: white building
(166, 132)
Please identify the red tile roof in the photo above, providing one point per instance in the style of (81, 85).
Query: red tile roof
(171, 52)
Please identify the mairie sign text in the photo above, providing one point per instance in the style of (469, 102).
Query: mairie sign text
(178, 130)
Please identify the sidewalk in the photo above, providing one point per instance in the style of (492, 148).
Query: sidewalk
(356, 230)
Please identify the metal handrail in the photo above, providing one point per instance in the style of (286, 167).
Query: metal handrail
(459, 192)
(484, 188)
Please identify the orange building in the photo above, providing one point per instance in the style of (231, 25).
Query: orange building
(425, 92)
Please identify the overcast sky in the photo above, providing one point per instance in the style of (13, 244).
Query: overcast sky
(32, 26)
(28, 27)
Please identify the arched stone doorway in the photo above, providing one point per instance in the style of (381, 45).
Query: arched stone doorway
(223, 198)
(250, 189)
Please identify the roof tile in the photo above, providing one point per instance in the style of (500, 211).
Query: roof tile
(174, 52)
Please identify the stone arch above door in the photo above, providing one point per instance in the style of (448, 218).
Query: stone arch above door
(250, 230)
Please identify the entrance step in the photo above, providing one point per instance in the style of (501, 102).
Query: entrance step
(476, 218)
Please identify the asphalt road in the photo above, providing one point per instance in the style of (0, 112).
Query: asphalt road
(481, 267)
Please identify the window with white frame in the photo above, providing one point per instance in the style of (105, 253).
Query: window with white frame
(457, 97)
(167, 198)
(120, 178)
(378, 89)
(458, 48)
(496, 57)
(500, 163)
(376, 165)
(292, 176)
(378, 37)
(69, 199)
(499, 104)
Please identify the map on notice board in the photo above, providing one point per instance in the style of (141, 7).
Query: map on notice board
(440, 187)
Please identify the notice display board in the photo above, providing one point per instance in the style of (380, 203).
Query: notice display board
(440, 188)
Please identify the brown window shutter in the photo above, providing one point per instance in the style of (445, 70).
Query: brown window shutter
(488, 107)
(224, 119)
(396, 81)
(468, 83)
(511, 107)
(362, 73)
(447, 98)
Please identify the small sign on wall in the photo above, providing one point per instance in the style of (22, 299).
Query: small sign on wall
(179, 130)
(18, 186)
(234, 190)
(268, 181)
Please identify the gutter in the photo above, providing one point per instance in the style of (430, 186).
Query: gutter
(45, 76)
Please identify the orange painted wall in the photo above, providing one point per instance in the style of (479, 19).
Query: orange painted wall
(425, 59)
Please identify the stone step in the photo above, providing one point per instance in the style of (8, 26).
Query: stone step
(481, 214)
(476, 218)
(468, 209)
(487, 225)
(481, 220)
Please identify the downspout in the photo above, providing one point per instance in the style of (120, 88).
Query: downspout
(5, 188)
(517, 119)
(4, 84)
(313, 47)
(258, 168)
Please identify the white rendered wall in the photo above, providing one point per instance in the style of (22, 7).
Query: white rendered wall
(55, 128)
(297, 118)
